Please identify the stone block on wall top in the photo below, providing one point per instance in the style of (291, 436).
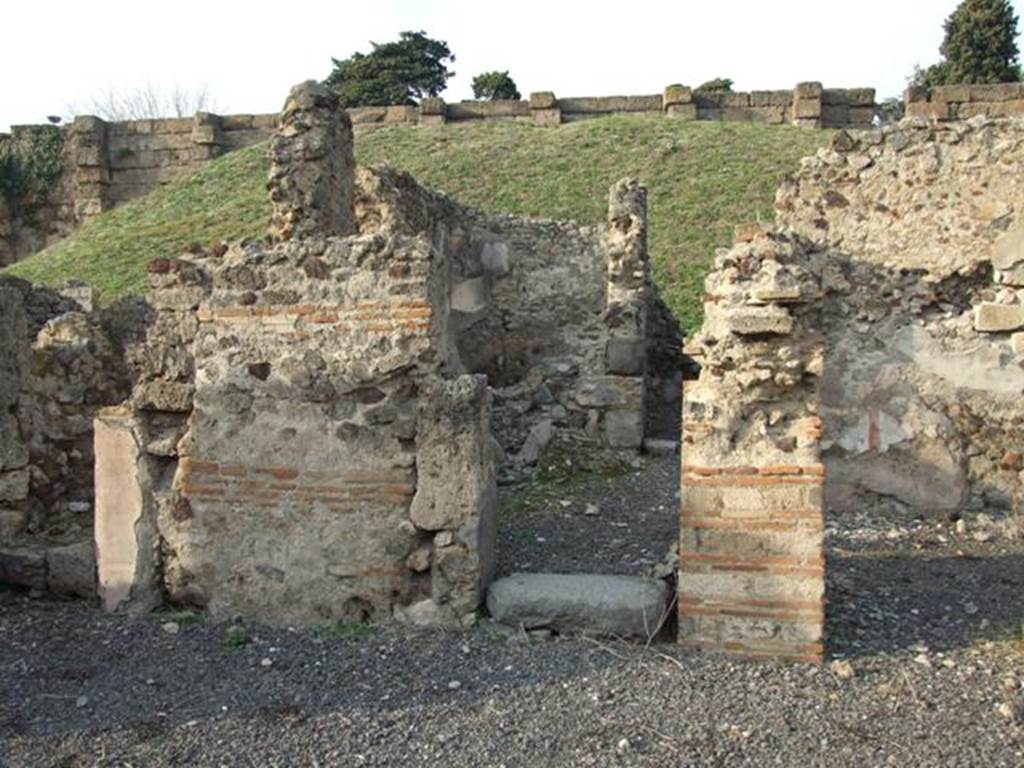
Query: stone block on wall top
(543, 100)
(808, 90)
(676, 94)
(931, 110)
(432, 105)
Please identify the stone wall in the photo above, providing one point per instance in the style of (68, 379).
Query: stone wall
(874, 340)
(309, 434)
(962, 102)
(59, 363)
(809, 104)
(108, 163)
(924, 313)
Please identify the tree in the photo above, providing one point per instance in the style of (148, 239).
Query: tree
(718, 85)
(980, 46)
(147, 102)
(495, 86)
(399, 72)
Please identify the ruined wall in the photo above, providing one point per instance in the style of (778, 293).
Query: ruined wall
(923, 313)
(108, 163)
(59, 363)
(962, 102)
(534, 306)
(809, 105)
(751, 576)
(297, 422)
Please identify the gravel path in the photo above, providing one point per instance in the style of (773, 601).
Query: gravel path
(929, 619)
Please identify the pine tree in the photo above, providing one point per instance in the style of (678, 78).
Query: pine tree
(980, 46)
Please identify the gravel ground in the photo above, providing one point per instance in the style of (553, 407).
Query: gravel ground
(927, 617)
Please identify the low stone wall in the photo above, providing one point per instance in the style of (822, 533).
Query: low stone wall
(962, 102)
(809, 104)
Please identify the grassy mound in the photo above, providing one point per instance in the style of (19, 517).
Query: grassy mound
(703, 179)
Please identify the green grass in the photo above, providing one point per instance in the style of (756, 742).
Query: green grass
(703, 178)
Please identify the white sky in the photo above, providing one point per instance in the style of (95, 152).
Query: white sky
(249, 53)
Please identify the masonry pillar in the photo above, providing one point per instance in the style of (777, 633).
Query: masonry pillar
(206, 135)
(312, 166)
(90, 175)
(752, 571)
(807, 105)
(544, 109)
(628, 289)
(433, 111)
(677, 102)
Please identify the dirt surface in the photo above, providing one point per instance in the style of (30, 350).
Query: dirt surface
(928, 618)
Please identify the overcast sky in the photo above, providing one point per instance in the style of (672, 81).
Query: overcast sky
(248, 54)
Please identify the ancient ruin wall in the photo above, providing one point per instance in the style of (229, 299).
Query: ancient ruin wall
(962, 102)
(923, 313)
(109, 162)
(59, 363)
(751, 576)
(305, 441)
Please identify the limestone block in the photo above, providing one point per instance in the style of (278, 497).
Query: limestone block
(771, 98)
(947, 93)
(71, 569)
(455, 472)
(23, 567)
(806, 108)
(543, 100)
(991, 109)
(496, 258)
(125, 530)
(808, 90)
(432, 105)
(675, 95)
(990, 317)
(682, 111)
(546, 116)
(624, 606)
(1017, 343)
(471, 295)
(750, 321)
(625, 356)
(995, 92)
(624, 428)
(931, 110)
